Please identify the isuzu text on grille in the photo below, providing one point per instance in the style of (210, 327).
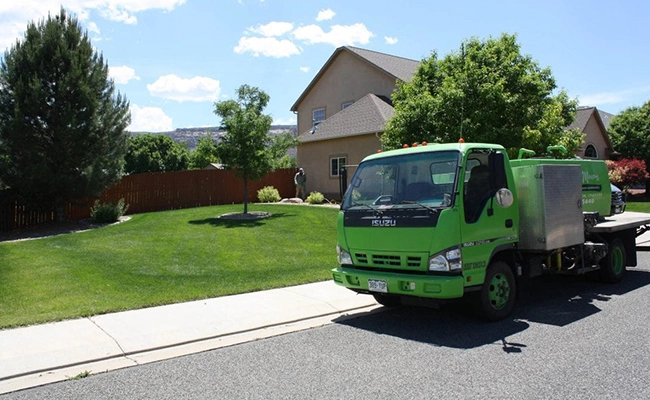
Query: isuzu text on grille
(384, 222)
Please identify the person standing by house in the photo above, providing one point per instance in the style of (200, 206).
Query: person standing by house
(300, 180)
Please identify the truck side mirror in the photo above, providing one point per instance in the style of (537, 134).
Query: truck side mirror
(504, 197)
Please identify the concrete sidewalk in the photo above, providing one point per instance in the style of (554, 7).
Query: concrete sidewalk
(41, 354)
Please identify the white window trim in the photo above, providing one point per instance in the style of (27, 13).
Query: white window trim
(313, 115)
(338, 158)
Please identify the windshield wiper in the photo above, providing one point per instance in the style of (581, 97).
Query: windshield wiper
(432, 209)
(363, 205)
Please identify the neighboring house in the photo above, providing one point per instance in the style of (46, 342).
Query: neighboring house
(343, 110)
(214, 166)
(593, 123)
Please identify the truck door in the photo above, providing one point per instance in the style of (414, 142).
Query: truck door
(485, 225)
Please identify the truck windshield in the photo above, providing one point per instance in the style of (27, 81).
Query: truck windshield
(410, 180)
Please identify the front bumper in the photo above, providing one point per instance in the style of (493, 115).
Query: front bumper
(427, 286)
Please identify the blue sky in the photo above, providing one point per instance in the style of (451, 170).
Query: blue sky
(173, 59)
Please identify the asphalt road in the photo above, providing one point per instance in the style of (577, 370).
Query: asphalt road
(569, 338)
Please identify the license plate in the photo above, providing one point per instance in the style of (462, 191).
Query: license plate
(377, 285)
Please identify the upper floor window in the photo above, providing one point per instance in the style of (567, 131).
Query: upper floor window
(346, 105)
(318, 115)
(591, 152)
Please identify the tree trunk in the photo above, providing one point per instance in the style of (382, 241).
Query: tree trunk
(59, 210)
(245, 195)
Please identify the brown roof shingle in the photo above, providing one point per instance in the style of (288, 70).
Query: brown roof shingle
(398, 67)
(367, 115)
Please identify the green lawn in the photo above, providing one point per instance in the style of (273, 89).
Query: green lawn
(161, 258)
(638, 206)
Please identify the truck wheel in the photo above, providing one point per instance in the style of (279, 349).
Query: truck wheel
(497, 296)
(612, 267)
(387, 301)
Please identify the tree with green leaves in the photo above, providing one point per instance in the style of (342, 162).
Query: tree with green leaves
(487, 92)
(629, 132)
(205, 153)
(62, 125)
(278, 146)
(148, 152)
(244, 147)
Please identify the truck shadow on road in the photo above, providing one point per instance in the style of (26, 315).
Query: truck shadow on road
(554, 300)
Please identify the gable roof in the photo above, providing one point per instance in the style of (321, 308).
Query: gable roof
(606, 118)
(583, 115)
(367, 115)
(398, 67)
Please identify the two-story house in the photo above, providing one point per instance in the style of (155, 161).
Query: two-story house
(343, 110)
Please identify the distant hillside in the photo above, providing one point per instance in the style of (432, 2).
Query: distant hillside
(192, 135)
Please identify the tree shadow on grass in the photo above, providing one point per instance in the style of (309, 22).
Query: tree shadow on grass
(240, 222)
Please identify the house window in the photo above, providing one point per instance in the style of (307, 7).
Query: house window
(318, 115)
(346, 105)
(336, 163)
(591, 152)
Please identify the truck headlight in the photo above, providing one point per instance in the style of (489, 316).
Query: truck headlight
(446, 261)
(343, 256)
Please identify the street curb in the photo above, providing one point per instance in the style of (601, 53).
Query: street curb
(144, 356)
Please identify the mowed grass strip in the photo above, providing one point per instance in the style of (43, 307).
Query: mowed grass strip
(163, 258)
(638, 206)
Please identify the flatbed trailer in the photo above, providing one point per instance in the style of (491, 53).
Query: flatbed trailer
(626, 220)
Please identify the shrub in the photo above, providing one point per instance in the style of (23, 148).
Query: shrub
(107, 212)
(627, 172)
(268, 194)
(315, 198)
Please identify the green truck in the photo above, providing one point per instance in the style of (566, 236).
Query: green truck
(432, 223)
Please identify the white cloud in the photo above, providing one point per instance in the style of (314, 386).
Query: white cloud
(304, 69)
(269, 47)
(339, 35)
(122, 74)
(92, 27)
(125, 10)
(390, 40)
(173, 87)
(273, 29)
(149, 119)
(597, 99)
(284, 121)
(15, 15)
(618, 97)
(325, 15)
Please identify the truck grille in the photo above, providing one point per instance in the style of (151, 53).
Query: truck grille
(388, 260)
(618, 202)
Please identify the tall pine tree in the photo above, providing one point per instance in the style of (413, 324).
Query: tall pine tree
(62, 126)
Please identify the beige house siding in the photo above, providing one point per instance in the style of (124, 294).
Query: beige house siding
(347, 79)
(315, 159)
(594, 136)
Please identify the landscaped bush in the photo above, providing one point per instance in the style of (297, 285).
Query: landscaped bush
(315, 198)
(627, 172)
(108, 212)
(268, 194)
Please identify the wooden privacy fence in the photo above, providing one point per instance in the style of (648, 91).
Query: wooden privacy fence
(157, 191)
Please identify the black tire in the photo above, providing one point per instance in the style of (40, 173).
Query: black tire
(496, 298)
(387, 300)
(612, 267)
